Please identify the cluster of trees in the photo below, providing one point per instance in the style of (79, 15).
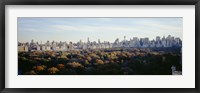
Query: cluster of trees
(135, 61)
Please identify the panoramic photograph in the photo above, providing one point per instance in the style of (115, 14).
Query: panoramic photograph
(99, 45)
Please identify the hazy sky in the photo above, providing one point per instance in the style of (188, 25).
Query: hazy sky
(105, 29)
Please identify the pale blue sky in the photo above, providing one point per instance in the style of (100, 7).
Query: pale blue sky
(105, 29)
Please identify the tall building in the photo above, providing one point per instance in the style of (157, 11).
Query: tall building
(88, 40)
(124, 38)
(157, 38)
(99, 41)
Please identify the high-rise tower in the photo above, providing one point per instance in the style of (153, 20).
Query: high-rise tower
(124, 38)
(88, 40)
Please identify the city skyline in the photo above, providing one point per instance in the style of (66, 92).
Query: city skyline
(86, 40)
(135, 42)
(105, 29)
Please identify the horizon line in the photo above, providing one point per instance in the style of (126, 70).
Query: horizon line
(107, 41)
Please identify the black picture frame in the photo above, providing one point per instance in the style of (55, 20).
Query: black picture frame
(3, 3)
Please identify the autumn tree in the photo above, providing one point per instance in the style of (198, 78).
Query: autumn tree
(75, 64)
(53, 70)
(88, 58)
(32, 72)
(39, 68)
(60, 66)
(99, 62)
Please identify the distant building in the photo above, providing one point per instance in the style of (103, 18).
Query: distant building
(38, 48)
(22, 48)
(48, 48)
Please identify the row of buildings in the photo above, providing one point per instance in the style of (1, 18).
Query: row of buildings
(168, 41)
